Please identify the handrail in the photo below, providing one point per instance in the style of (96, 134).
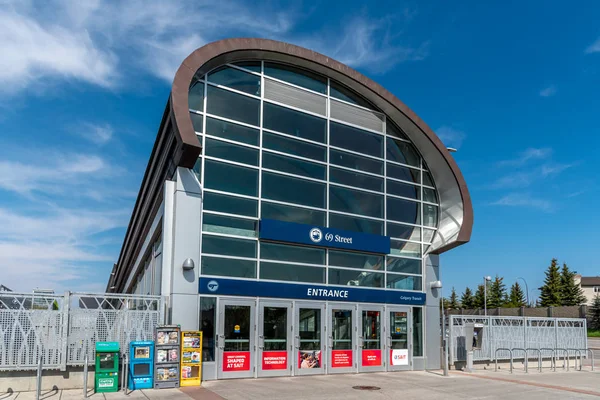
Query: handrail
(525, 355)
(580, 358)
(552, 357)
(566, 358)
(539, 357)
(496, 357)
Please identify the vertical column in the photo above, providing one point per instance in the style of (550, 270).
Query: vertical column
(433, 332)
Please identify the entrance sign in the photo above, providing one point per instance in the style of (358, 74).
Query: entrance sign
(235, 287)
(274, 360)
(399, 357)
(371, 358)
(281, 231)
(236, 361)
(341, 358)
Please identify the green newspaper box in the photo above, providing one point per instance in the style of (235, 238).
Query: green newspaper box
(107, 367)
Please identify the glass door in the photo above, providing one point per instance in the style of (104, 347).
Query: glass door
(342, 338)
(275, 338)
(236, 338)
(309, 339)
(370, 339)
(399, 338)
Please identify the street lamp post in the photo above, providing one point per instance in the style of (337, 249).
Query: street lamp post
(486, 279)
(438, 285)
(526, 290)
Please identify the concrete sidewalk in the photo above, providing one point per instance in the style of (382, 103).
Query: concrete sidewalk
(150, 394)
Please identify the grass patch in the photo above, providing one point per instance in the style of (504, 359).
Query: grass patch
(593, 333)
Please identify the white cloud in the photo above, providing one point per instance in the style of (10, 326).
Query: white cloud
(549, 91)
(524, 200)
(96, 133)
(451, 137)
(593, 48)
(529, 154)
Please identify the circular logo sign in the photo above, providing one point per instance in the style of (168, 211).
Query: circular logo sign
(213, 286)
(316, 235)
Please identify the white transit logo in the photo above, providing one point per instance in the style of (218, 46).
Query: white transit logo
(213, 286)
(316, 235)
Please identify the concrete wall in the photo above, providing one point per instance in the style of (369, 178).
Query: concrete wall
(431, 318)
(23, 381)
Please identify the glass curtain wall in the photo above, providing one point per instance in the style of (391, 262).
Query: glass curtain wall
(287, 144)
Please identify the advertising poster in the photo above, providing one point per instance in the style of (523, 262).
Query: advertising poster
(161, 355)
(191, 356)
(236, 361)
(371, 358)
(399, 357)
(309, 359)
(341, 358)
(274, 360)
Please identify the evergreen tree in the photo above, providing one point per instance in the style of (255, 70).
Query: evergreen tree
(550, 292)
(479, 298)
(453, 302)
(516, 297)
(467, 299)
(594, 314)
(497, 293)
(570, 293)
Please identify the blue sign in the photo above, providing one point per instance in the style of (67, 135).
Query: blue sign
(236, 287)
(281, 231)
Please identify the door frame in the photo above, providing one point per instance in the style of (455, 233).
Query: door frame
(409, 338)
(288, 304)
(324, 339)
(222, 303)
(341, 306)
(361, 339)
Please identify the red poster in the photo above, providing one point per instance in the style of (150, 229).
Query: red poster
(371, 358)
(274, 360)
(341, 358)
(236, 361)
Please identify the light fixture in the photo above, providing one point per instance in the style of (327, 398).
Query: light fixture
(436, 284)
(452, 149)
(188, 264)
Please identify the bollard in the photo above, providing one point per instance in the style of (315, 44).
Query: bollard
(85, 376)
(469, 366)
(38, 393)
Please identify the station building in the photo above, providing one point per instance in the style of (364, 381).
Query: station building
(294, 211)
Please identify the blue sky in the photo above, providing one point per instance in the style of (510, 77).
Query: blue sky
(512, 85)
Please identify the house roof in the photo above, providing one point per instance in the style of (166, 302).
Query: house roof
(590, 281)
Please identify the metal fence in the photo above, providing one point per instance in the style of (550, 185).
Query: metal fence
(62, 329)
(515, 332)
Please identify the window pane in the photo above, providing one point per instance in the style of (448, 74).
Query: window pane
(403, 189)
(405, 248)
(197, 122)
(293, 166)
(196, 96)
(429, 195)
(230, 178)
(230, 204)
(231, 152)
(295, 273)
(292, 146)
(294, 123)
(293, 190)
(341, 92)
(249, 65)
(234, 106)
(228, 130)
(355, 162)
(430, 215)
(228, 246)
(355, 224)
(207, 325)
(403, 210)
(355, 139)
(355, 179)
(403, 231)
(355, 202)
(402, 152)
(427, 179)
(282, 252)
(297, 76)
(393, 130)
(417, 318)
(404, 282)
(355, 260)
(428, 235)
(236, 79)
(406, 174)
(229, 225)
(198, 168)
(292, 214)
(406, 265)
(228, 267)
(348, 277)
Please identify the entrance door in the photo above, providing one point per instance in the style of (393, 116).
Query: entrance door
(309, 347)
(370, 338)
(399, 338)
(342, 338)
(236, 338)
(274, 338)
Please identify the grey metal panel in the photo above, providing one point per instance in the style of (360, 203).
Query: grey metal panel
(357, 116)
(295, 97)
(432, 339)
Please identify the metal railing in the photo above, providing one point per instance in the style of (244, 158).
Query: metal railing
(554, 355)
(496, 358)
(527, 358)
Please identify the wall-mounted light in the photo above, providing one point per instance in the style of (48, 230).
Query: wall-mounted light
(436, 285)
(451, 149)
(188, 264)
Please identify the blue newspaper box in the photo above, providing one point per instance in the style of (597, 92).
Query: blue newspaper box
(141, 365)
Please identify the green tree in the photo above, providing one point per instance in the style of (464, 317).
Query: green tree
(570, 293)
(594, 314)
(479, 298)
(497, 293)
(516, 297)
(550, 292)
(467, 299)
(453, 302)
